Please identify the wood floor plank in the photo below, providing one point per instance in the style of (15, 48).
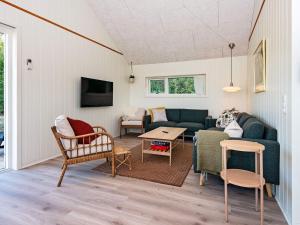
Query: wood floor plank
(89, 197)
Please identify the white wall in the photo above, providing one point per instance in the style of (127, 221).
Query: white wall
(274, 25)
(296, 110)
(59, 60)
(218, 76)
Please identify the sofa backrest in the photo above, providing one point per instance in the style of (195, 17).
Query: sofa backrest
(253, 129)
(242, 118)
(173, 115)
(256, 129)
(187, 115)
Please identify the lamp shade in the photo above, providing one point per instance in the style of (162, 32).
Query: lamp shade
(231, 89)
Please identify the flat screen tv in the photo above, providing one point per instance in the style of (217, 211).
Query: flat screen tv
(95, 93)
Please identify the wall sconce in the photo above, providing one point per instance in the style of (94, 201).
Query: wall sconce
(131, 77)
(29, 64)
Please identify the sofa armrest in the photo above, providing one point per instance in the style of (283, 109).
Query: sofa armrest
(271, 159)
(210, 122)
(147, 122)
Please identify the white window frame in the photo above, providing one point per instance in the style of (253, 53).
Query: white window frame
(166, 93)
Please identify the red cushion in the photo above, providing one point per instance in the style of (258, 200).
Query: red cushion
(82, 128)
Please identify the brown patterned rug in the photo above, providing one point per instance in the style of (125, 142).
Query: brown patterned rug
(156, 168)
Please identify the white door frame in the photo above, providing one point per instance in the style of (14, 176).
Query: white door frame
(12, 108)
(295, 111)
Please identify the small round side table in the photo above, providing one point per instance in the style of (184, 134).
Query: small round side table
(244, 178)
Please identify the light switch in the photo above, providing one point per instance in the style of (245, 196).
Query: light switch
(29, 64)
(284, 104)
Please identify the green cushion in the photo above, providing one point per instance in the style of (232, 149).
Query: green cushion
(173, 114)
(162, 124)
(193, 127)
(253, 129)
(193, 115)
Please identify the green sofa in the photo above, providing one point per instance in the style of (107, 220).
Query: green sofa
(192, 119)
(254, 130)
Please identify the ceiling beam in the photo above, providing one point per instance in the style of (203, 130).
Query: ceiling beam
(260, 10)
(59, 26)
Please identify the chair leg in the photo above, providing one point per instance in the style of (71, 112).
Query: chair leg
(202, 179)
(226, 201)
(62, 175)
(120, 132)
(129, 161)
(113, 166)
(269, 190)
(262, 205)
(256, 199)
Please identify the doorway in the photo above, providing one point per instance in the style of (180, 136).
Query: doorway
(2, 103)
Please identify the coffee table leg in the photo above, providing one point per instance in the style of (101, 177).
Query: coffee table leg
(183, 141)
(170, 153)
(142, 150)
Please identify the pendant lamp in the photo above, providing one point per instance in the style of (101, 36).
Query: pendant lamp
(231, 88)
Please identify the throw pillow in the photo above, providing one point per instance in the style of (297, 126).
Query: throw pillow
(82, 128)
(226, 118)
(151, 112)
(159, 115)
(63, 127)
(234, 130)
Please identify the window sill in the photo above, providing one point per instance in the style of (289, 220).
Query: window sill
(175, 96)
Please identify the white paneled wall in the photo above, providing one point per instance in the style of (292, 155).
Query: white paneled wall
(59, 60)
(274, 25)
(218, 76)
(296, 109)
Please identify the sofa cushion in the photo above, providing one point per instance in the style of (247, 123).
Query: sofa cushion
(191, 126)
(242, 118)
(173, 115)
(193, 115)
(216, 128)
(94, 147)
(132, 123)
(162, 124)
(253, 129)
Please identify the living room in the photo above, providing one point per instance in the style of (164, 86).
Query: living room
(145, 53)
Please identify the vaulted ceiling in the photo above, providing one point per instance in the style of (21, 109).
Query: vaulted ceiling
(157, 31)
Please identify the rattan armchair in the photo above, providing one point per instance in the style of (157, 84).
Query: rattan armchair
(73, 153)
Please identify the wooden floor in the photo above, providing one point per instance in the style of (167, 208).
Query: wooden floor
(87, 197)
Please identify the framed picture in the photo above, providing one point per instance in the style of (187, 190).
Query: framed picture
(260, 67)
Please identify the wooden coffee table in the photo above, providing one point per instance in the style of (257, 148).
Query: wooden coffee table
(166, 134)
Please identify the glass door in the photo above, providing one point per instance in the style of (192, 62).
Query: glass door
(2, 98)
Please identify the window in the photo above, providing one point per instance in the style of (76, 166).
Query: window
(157, 86)
(183, 85)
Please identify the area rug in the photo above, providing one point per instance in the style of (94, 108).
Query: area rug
(156, 168)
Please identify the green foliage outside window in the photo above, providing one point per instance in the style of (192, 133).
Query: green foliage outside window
(157, 86)
(1, 76)
(181, 85)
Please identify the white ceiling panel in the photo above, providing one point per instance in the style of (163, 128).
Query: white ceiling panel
(157, 31)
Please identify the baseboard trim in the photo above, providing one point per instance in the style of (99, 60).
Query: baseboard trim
(39, 161)
(283, 212)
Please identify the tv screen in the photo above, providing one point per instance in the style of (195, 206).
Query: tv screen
(96, 93)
